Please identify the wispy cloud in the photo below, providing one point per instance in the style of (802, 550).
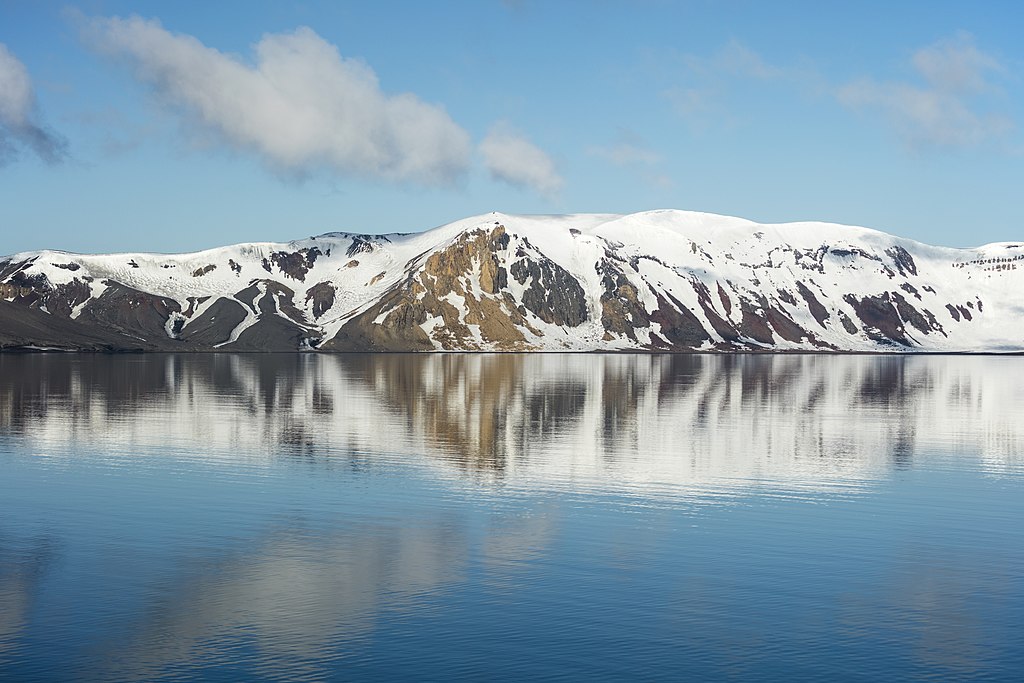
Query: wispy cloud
(299, 104)
(950, 104)
(690, 103)
(735, 59)
(707, 82)
(629, 151)
(513, 159)
(21, 126)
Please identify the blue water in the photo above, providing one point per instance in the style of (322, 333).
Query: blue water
(577, 517)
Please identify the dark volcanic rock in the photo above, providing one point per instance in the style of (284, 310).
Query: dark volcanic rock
(621, 310)
(322, 295)
(902, 259)
(754, 324)
(132, 313)
(295, 264)
(65, 297)
(723, 328)
(364, 244)
(911, 314)
(848, 325)
(24, 327)
(880, 318)
(726, 301)
(553, 294)
(9, 267)
(679, 325)
(248, 297)
(281, 299)
(215, 324)
(784, 326)
(818, 311)
(271, 332)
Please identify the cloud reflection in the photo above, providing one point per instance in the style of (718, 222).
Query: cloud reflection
(288, 582)
(295, 601)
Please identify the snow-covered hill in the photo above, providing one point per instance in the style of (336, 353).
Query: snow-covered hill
(658, 280)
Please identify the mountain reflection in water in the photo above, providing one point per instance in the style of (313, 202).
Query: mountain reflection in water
(507, 516)
(600, 420)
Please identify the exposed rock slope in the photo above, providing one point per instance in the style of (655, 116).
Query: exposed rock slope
(659, 281)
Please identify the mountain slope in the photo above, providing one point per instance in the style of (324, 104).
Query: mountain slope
(660, 280)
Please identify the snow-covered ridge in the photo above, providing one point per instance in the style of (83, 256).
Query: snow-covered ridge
(657, 280)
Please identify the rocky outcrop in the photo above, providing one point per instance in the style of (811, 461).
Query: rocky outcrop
(621, 310)
(552, 294)
(458, 300)
(321, 298)
(293, 264)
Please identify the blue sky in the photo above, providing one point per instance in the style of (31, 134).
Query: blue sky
(179, 126)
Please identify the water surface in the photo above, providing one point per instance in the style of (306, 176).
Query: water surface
(375, 517)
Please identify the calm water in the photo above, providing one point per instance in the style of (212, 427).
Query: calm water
(246, 517)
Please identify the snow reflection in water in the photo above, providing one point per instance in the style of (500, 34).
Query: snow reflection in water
(285, 516)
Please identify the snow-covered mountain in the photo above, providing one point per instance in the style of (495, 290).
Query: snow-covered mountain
(657, 281)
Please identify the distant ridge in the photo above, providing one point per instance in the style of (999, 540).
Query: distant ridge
(663, 280)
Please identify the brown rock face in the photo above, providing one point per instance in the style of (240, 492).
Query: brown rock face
(459, 299)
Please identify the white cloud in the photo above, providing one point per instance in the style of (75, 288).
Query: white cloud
(690, 102)
(15, 89)
(20, 125)
(299, 104)
(736, 59)
(956, 65)
(626, 153)
(630, 152)
(709, 83)
(948, 107)
(513, 159)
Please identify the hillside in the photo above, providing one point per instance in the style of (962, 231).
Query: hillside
(655, 281)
